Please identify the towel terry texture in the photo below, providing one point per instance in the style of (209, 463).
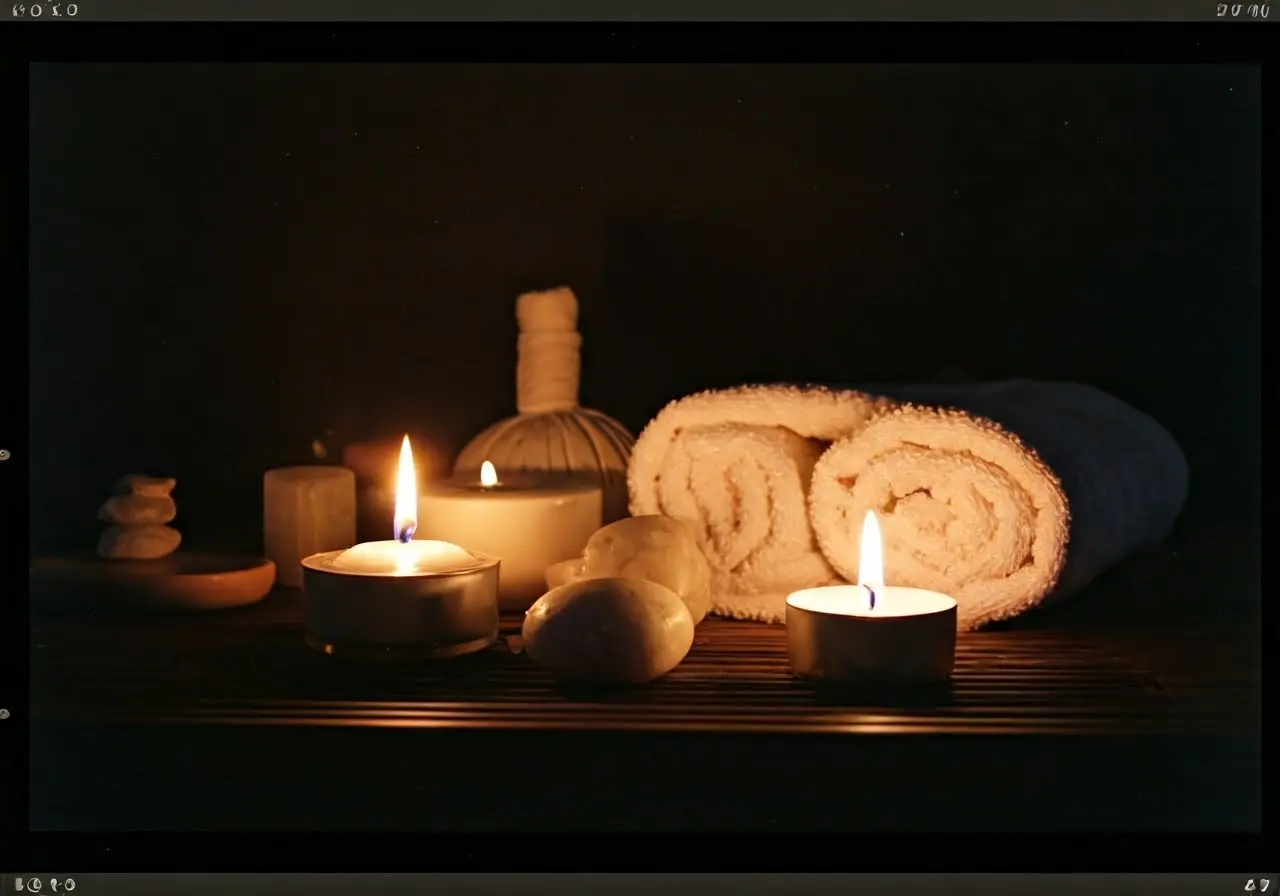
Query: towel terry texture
(1002, 494)
(736, 465)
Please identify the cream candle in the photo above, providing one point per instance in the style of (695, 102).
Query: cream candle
(306, 510)
(871, 631)
(403, 558)
(527, 520)
(402, 598)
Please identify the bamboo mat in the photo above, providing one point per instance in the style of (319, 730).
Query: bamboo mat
(250, 667)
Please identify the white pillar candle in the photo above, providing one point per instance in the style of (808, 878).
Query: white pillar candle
(528, 521)
(306, 510)
(871, 631)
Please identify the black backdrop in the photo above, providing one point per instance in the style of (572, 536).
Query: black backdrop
(229, 261)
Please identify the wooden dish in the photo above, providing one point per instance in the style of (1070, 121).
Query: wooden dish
(181, 581)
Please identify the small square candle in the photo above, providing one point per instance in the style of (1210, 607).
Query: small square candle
(306, 510)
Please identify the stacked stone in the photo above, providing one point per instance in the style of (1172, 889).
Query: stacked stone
(138, 511)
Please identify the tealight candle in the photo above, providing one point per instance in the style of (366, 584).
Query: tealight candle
(401, 598)
(527, 520)
(870, 631)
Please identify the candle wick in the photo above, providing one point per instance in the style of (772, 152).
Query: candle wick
(405, 535)
(872, 592)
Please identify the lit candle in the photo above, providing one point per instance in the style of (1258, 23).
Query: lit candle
(527, 520)
(402, 556)
(871, 631)
(374, 464)
(401, 598)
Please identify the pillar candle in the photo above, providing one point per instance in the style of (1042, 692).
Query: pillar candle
(527, 520)
(305, 511)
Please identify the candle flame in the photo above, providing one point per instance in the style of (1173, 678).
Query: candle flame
(488, 475)
(871, 555)
(406, 515)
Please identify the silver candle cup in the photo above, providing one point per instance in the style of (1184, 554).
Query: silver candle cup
(428, 615)
(839, 648)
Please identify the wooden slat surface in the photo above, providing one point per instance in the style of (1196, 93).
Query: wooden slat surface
(251, 667)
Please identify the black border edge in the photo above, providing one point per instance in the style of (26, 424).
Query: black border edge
(1270, 635)
(15, 471)
(921, 852)
(594, 884)
(649, 42)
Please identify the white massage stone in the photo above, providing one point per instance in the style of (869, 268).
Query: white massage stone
(564, 572)
(138, 510)
(138, 542)
(657, 548)
(624, 631)
(144, 486)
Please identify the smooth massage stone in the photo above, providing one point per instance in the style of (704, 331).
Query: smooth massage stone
(657, 548)
(144, 486)
(564, 572)
(137, 510)
(624, 631)
(138, 542)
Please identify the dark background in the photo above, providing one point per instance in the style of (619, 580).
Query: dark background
(229, 261)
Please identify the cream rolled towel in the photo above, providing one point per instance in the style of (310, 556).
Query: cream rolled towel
(1003, 495)
(735, 464)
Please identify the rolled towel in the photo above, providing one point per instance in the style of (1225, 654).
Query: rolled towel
(1003, 495)
(735, 464)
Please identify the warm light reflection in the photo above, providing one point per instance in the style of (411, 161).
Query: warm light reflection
(488, 475)
(406, 514)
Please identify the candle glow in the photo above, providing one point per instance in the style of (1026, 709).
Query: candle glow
(871, 556)
(488, 475)
(402, 556)
(405, 521)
